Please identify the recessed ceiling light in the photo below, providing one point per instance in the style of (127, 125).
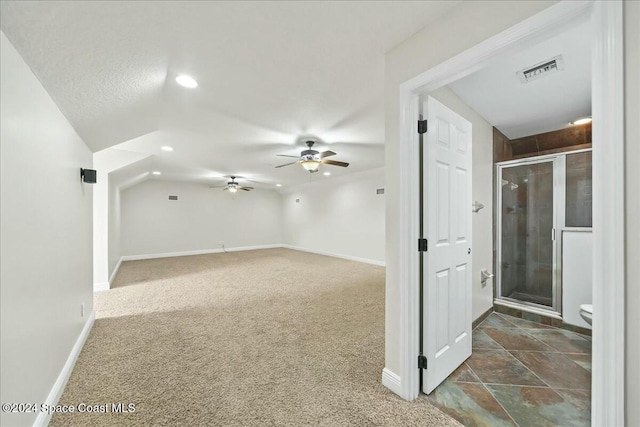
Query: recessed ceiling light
(278, 185)
(327, 173)
(156, 172)
(166, 148)
(186, 81)
(581, 121)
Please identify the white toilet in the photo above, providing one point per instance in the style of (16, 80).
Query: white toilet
(586, 311)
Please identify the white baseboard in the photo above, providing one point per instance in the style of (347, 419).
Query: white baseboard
(241, 248)
(196, 252)
(349, 257)
(115, 271)
(102, 286)
(392, 381)
(58, 387)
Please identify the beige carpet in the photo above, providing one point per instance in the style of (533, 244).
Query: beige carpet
(258, 338)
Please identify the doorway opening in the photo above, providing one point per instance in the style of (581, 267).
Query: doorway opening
(608, 189)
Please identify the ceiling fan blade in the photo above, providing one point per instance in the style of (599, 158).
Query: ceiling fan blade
(286, 155)
(327, 154)
(246, 188)
(335, 163)
(217, 186)
(286, 164)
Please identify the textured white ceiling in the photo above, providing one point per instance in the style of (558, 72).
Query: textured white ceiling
(542, 105)
(269, 73)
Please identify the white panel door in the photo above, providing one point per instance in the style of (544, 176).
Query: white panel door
(447, 225)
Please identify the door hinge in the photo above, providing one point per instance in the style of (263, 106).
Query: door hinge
(422, 126)
(422, 362)
(423, 245)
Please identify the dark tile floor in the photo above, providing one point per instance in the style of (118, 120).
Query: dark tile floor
(521, 374)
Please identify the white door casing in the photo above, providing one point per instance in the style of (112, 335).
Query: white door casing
(447, 222)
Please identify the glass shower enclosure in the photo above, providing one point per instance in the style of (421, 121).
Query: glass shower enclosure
(537, 198)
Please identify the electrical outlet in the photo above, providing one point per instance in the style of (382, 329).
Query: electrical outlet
(82, 310)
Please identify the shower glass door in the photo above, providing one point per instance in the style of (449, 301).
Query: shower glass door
(526, 227)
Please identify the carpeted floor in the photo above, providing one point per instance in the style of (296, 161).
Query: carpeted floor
(259, 338)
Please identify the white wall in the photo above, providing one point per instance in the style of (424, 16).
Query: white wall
(198, 220)
(105, 216)
(632, 209)
(482, 222)
(114, 231)
(462, 28)
(45, 228)
(577, 281)
(340, 216)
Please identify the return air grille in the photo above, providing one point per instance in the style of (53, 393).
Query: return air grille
(541, 69)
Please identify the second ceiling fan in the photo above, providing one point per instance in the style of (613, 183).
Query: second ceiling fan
(232, 186)
(311, 159)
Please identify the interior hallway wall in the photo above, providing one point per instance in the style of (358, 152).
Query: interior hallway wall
(45, 235)
(340, 216)
(199, 220)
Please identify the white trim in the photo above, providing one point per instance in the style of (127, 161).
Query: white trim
(608, 170)
(43, 418)
(196, 252)
(391, 381)
(101, 287)
(331, 254)
(115, 271)
(608, 358)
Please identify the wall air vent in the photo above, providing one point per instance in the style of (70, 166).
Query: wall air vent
(173, 197)
(541, 69)
(379, 190)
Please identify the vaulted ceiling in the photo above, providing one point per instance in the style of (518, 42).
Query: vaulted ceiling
(270, 74)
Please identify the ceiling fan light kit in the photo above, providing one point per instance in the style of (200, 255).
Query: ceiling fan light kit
(310, 165)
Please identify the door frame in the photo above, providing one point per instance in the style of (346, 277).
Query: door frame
(607, 403)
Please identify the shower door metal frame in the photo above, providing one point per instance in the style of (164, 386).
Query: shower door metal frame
(558, 162)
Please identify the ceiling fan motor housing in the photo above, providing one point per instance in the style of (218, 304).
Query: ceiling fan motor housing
(309, 154)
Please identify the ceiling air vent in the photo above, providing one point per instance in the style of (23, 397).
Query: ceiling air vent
(541, 69)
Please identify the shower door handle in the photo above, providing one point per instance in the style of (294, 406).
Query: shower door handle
(553, 234)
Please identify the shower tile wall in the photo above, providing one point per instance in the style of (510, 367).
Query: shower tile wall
(559, 141)
(579, 196)
(512, 245)
(539, 225)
